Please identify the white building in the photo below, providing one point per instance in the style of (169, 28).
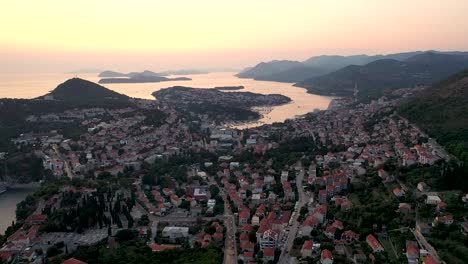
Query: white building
(175, 232)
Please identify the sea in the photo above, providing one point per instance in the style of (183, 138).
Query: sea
(8, 201)
(36, 84)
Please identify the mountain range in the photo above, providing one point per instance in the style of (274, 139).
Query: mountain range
(373, 78)
(297, 72)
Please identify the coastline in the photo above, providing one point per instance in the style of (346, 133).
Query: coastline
(9, 199)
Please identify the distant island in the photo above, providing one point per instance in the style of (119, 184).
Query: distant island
(142, 79)
(229, 88)
(114, 74)
(218, 105)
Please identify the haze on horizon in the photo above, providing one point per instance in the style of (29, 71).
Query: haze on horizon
(60, 36)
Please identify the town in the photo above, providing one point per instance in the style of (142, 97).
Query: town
(350, 184)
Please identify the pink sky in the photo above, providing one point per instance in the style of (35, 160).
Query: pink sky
(59, 36)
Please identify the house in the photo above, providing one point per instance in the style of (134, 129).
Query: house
(346, 206)
(330, 232)
(441, 206)
(338, 224)
(248, 256)
(309, 224)
(430, 260)
(422, 187)
(307, 249)
(244, 216)
(323, 196)
(447, 220)
(156, 248)
(268, 254)
(175, 232)
(326, 257)
(433, 199)
(404, 208)
(349, 236)
(412, 252)
(248, 246)
(269, 239)
(243, 238)
(398, 192)
(374, 243)
(73, 261)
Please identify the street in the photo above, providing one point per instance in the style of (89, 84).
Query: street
(285, 257)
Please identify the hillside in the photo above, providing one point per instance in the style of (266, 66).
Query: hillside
(268, 68)
(294, 74)
(373, 78)
(79, 91)
(335, 62)
(442, 110)
(73, 93)
(296, 71)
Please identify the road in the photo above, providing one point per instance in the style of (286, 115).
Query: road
(230, 247)
(423, 242)
(66, 165)
(285, 257)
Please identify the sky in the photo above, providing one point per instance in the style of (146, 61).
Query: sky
(66, 35)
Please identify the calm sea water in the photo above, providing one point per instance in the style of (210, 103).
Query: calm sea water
(34, 85)
(8, 201)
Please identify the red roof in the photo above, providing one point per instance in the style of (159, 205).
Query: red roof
(338, 224)
(373, 242)
(156, 247)
(308, 244)
(248, 245)
(248, 254)
(268, 252)
(247, 228)
(430, 260)
(73, 261)
(244, 214)
(326, 254)
(311, 221)
(412, 249)
(244, 237)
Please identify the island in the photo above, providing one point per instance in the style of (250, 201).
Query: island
(218, 105)
(142, 78)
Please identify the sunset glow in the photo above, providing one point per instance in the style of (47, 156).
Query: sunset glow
(208, 33)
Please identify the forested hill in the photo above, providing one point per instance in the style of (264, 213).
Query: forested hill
(442, 110)
(73, 93)
(79, 91)
(373, 78)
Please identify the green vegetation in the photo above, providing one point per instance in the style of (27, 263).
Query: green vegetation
(135, 251)
(373, 78)
(450, 243)
(442, 111)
